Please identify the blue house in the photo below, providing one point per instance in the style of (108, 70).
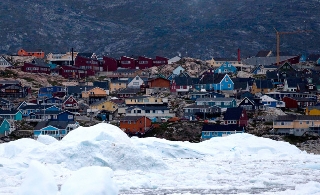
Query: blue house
(215, 130)
(48, 91)
(220, 102)
(53, 101)
(28, 109)
(56, 129)
(211, 82)
(4, 127)
(14, 115)
(51, 115)
(226, 67)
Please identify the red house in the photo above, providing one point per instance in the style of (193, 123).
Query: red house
(144, 62)
(71, 104)
(159, 82)
(90, 64)
(72, 72)
(236, 115)
(160, 61)
(298, 102)
(35, 68)
(109, 64)
(127, 62)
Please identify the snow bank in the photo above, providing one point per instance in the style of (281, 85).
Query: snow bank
(14, 148)
(46, 139)
(38, 181)
(90, 180)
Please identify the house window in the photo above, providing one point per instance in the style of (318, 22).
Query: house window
(138, 111)
(246, 101)
(227, 79)
(135, 83)
(218, 103)
(70, 116)
(229, 85)
(54, 116)
(102, 106)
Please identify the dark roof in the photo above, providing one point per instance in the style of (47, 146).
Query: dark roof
(264, 84)
(211, 78)
(313, 57)
(225, 59)
(8, 112)
(125, 70)
(101, 84)
(131, 118)
(86, 55)
(216, 127)
(201, 106)
(297, 117)
(78, 89)
(129, 90)
(185, 81)
(300, 99)
(57, 124)
(263, 53)
(37, 106)
(233, 113)
(51, 112)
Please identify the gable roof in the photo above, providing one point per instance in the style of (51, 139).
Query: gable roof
(233, 113)
(264, 84)
(213, 78)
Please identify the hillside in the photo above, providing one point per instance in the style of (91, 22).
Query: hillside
(199, 29)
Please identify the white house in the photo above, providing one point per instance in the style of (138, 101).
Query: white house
(149, 111)
(4, 63)
(136, 82)
(174, 60)
(270, 102)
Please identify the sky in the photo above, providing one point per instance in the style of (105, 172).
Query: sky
(103, 160)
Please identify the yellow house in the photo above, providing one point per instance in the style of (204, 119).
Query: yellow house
(104, 105)
(296, 124)
(217, 62)
(262, 86)
(116, 85)
(144, 100)
(313, 110)
(95, 92)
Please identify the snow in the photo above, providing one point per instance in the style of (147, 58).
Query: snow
(46, 139)
(90, 180)
(38, 175)
(104, 159)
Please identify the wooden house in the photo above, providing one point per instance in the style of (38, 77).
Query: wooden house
(135, 124)
(71, 104)
(217, 82)
(226, 67)
(4, 127)
(35, 68)
(298, 102)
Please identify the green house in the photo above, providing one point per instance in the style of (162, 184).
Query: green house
(4, 127)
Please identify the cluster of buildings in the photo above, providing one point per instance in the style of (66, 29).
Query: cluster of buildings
(138, 99)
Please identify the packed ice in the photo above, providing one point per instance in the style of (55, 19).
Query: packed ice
(102, 159)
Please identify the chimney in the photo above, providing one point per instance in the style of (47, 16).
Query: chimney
(72, 61)
(239, 59)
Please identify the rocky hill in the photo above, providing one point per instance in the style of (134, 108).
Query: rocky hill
(196, 28)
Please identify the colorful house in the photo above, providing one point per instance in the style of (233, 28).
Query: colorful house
(226, 67)
(135, 124)
(37, 53)
(70, 104)
(104, 105)
(252, 104)
(145, 100)
(216, 82)
(135, 82)
(4, 127)
(159, 82)
(35, 68)
(236, 116)
(14, 115)
(298, 102)
(94, 95)
(56, 129)
(262, 86)
(312, 110)
(271, 102)
(116, 85)
(215, 130)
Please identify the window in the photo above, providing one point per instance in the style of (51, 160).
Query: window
(246, 101)
(227, 79)
(229, 85)
(135, 83)
(70, 116)
(137, 78)
(138, 111)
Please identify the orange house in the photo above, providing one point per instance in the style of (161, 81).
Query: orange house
(37, 54)
(135, 124)
(159, 82)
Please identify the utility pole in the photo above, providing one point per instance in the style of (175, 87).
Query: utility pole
(278, 40)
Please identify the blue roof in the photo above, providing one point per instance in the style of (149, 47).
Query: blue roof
(233, 113)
